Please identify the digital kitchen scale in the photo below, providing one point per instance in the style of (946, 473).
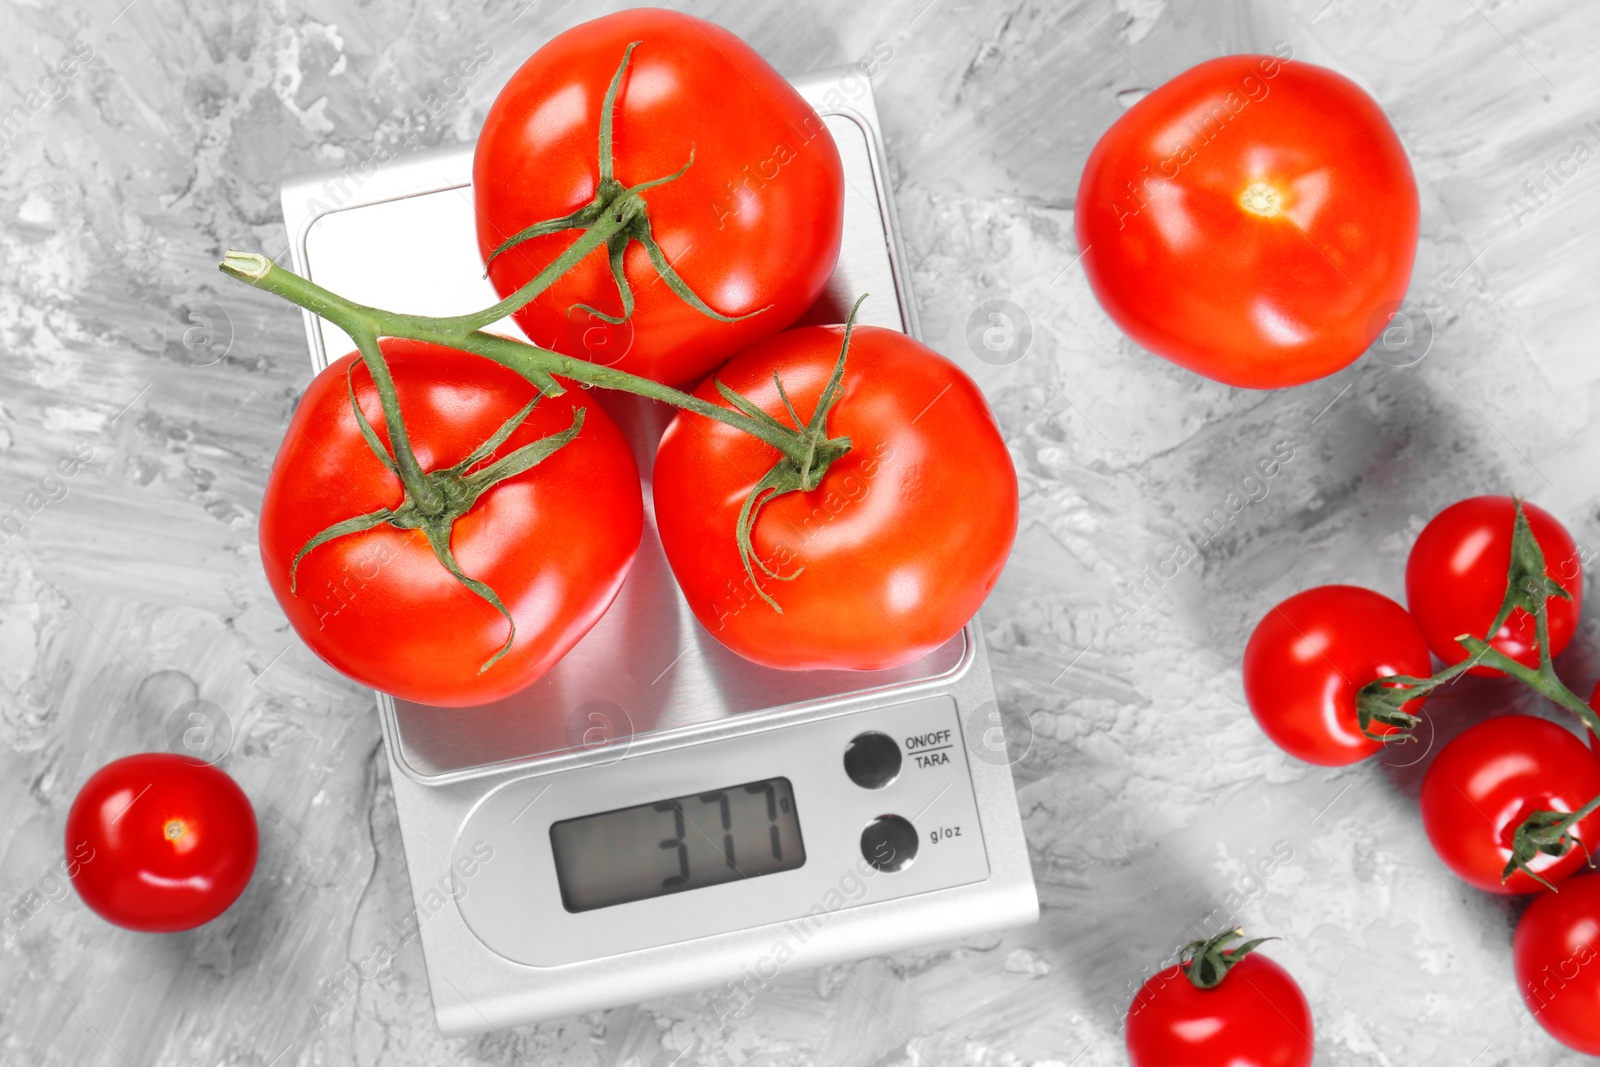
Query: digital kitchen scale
(658, 815)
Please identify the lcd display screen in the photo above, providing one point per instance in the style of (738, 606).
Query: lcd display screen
(677, 844)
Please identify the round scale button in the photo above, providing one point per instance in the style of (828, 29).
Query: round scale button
(872, 760)
(889, 843)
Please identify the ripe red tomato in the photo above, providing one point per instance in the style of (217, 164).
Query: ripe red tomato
(1256, 1017)
(160, 842)
(1482, 786)
(1254, 220)
(899, 543)
(1555, 955)
(755, 221)
(1310, 655)
(554, 542)
(1456, 579)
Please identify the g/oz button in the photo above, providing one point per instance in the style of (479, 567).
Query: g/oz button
(889, 843)
(872, 760)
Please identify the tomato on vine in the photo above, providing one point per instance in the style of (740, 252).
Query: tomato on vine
(160, 842)
(1485, 784)
(1308, 659)
(1221, 1007)
(739, 217)
(860, 559)
(1456, 580)
(537, 518)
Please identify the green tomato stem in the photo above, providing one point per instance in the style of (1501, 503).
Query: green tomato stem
(537, 365)
(422, 492)
(1207, 963)
(1543, 680)
(617, 217)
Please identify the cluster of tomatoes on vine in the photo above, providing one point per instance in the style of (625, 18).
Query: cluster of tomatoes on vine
(1337, 673)
(1511, 805)
(448, 516)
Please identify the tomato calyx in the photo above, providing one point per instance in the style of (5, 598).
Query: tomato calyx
(1547, 833)
(1207, 963)
(619, 213)
(452, 491)
(793, 473)
(1384, 701)
(1528, 588)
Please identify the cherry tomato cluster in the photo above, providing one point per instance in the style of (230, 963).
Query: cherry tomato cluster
(1494, 587)
(446, 518)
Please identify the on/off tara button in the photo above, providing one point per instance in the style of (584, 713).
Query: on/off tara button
(872, 760)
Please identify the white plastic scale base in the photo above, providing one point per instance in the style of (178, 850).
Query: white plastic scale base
(649, 709)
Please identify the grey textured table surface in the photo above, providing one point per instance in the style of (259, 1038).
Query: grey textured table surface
(1148, 794)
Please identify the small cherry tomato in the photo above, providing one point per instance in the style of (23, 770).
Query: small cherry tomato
(1483, 785)
(1256, 1017)
(1310, 655)
(1556, 954)
(1456, 580)
(160, 842)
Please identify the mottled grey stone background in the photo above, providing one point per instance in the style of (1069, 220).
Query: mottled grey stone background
(1148, 795)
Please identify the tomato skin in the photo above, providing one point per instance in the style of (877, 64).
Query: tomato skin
(1256, 1017)
(160, 842)
(555, 542)
(1254, 301)
(1554, 955)
(1310, 655)
(755, 221)
(900, 543)
(1456, 580)
(1483, 784)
